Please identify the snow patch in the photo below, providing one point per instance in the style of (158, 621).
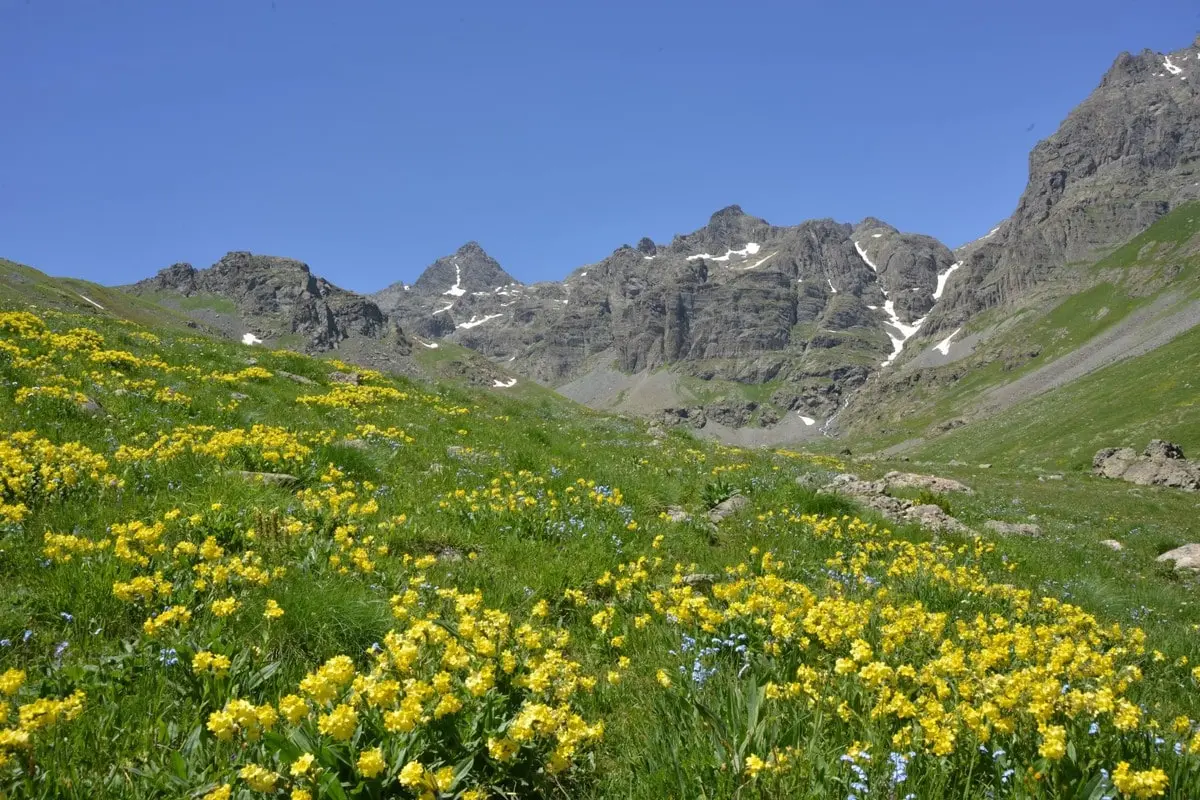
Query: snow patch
(863, 255)
(831, 287)
(456, 290)
(250, 338)
(508, 384)
(761, 261)
(476, 321)
(943, 346)
(1171, 68)
(876, 235)
(906, 331)
(943, 277)
(447, 308)
(809, 421)
(990, 233)
(651, 258)
(873, 308)
(90, 300)
(430, 345)
(749, 250)
(583, 274)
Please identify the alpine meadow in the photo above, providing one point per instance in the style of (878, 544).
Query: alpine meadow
(824, 511)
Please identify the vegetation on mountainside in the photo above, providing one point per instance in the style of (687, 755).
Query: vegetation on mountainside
(452, 595)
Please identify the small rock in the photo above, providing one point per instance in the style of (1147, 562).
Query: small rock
(1186, 557)
(677, 514)
(272, 478)
(726, 507)
(357, 444)
(345, 377)
(435, 468)
(699, 580)
(1013, 528)
(1113, 544)
(934, 518)
(657, 432)
(1051, 476)
(954, 462)
(985, 466)
(89, 406)
(291, 376)
(238, 396)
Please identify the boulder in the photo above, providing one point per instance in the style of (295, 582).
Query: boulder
(300, 379)
(1184, 558)
(345, 377)
(1161, 464)
(726, 507)
(1113, 544)
(934, 483)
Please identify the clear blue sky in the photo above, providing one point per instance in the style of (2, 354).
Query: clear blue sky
(369, 138)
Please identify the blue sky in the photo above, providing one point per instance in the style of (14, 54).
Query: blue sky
(369, 138)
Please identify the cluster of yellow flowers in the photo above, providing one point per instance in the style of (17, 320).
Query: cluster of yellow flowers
(17, 734)
(452, 667)
(35, 469)
(259, 444)
(1031, 674)
(350, 395)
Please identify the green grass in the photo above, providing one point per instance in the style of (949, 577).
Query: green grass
(208, 302)
(484, 480)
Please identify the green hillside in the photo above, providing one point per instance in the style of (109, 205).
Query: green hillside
(250, 579)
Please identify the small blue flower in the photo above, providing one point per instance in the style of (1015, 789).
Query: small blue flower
(168, 656)
(1093, 729)
(28, 635)
(5, 642)
(66, 616)
(61, 648)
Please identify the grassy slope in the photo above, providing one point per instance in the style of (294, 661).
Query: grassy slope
(658, 742)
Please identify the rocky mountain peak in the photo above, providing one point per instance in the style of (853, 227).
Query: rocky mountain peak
(469, 269)
(646, 246)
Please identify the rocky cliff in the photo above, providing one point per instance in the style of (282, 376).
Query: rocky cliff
(1123, 158)
(266, 299)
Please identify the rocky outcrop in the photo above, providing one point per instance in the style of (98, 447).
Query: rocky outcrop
(873, 494)
(1186, 558)
(1160, 464)
(279, 299)
(1123, 158)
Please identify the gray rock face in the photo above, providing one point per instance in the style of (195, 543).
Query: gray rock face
(280, 297)
(1126, 156)
(1161, 464)
(934, 483)
(738, 300)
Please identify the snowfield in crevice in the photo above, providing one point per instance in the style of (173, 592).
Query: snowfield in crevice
(943, 346)
(456, 290)
(250, 338)
(476, 321)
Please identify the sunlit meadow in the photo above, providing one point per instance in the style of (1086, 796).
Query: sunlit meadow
(227, 572)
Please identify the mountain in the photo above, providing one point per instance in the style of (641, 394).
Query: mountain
(800, 313)
(759, 333)
(278, 301)
(1121, 160)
